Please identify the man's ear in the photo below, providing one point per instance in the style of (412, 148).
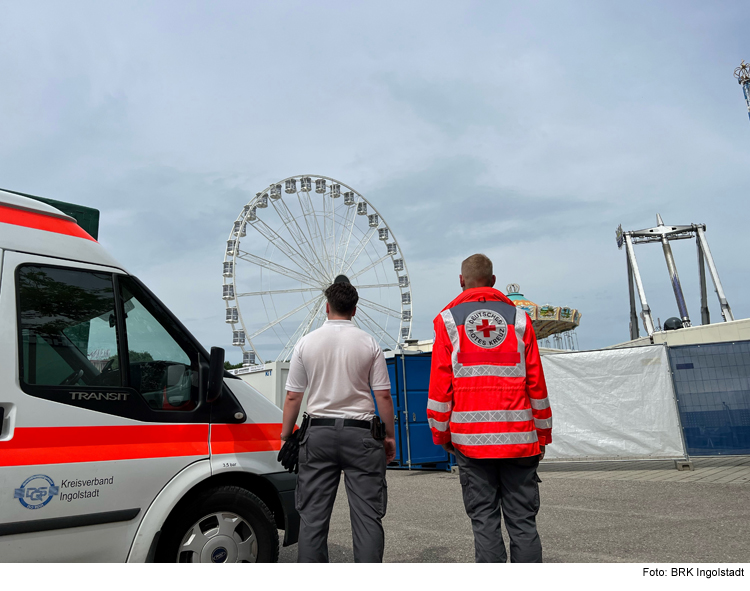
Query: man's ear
(492, 283)
(328, 308)
(354, 311)
(461, 281)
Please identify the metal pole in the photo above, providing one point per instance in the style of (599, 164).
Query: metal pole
(726, 311)
(675, 278)
(634, 332)
(743, 77)
(406, 408)
(705, 314)
(648, 322)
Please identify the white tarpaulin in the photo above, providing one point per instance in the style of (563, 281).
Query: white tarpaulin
(613, 404)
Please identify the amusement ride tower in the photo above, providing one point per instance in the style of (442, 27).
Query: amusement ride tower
(743, 77)
(664, 234)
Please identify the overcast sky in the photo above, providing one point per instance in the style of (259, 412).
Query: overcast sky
(524, 130)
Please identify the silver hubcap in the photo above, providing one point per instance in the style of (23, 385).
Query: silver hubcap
(219, 537)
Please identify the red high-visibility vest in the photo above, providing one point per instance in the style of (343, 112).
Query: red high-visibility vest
(487, 391)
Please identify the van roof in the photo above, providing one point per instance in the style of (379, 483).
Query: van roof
(86, 217)
(31, 226)
(28, 204)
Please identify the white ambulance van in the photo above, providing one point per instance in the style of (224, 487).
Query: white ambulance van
(121, 438)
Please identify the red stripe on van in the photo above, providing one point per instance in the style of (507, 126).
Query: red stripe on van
(235, 439)
(41, 221)
(69, 445)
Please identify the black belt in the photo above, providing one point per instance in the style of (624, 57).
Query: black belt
(347, 423)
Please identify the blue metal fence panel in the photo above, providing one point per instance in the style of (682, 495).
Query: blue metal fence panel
(410, 406)
(423, 450)
(712, 383)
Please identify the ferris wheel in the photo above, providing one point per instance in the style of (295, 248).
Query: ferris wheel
(280, 259)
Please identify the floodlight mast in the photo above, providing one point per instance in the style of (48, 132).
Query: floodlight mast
(743, 77)
(662, 233)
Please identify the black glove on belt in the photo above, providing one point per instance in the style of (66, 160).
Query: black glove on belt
(289, 453)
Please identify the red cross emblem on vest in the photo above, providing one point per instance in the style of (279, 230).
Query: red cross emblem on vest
(486, 328)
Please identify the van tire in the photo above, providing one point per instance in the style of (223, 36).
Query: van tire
(222, 499)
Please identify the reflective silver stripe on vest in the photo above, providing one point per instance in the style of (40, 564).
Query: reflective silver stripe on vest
(438, 406)
(502, 371)
(439, 425)
(520, 325)
(494, 438)
(543, 423)
(539, 403)
(492, 416)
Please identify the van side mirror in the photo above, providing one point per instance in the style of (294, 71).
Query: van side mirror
(215, 374)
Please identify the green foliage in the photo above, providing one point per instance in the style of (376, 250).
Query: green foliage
(53, 304)
(139, 356)
(228, 365)
(135, 357)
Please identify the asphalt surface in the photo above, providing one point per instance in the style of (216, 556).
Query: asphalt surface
(615, 515)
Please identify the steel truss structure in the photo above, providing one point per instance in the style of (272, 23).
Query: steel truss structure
(664, 234)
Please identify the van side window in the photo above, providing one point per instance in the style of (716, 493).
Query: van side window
(68, 329)
(163, 370)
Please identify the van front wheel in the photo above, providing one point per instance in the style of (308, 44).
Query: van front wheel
(223, 524)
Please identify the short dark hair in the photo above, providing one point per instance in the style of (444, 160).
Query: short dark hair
(342, 297)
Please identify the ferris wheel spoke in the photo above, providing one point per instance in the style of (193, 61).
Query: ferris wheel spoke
(292, 253)
(335, 239)
(351, 214)
(302, 329)
(266, 264)
(313, 319)
(368, 267)
(376, 285)
(360, 247)
(295, 231)
(368, 320)
(329, 227)
(277, 291)
(282, 318)
(378, 308)
(313, 228)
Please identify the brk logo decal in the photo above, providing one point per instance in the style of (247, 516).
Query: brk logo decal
(36, 491)
(486, 328)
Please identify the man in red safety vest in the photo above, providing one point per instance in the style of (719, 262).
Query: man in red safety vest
(488, 405)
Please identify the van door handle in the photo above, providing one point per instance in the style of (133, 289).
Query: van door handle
(7, 417)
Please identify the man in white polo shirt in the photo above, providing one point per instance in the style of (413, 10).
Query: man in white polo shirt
(340, 363)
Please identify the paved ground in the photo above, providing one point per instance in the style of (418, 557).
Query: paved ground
(592, 512)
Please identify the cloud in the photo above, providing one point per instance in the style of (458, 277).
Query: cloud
(527, 131)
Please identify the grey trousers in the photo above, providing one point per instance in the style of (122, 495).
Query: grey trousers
(324, 453)
(497, 488)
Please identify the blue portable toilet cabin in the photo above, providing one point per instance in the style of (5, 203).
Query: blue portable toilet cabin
(410, 380)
